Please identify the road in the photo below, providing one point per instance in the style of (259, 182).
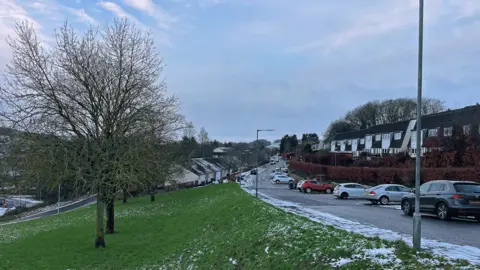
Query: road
(390, 217)
(63, 209)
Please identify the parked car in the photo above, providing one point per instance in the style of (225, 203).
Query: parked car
(349, 190)
(386, 193)
(253, 172)
(314, 185)
(272, 175)
(446, 199)
(299, 185)
(282, 179)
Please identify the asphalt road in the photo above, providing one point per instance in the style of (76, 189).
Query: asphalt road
(63, 209)
(460, 232)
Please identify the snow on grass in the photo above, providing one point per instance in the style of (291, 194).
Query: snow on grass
(451, 254)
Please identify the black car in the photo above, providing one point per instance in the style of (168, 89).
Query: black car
(253, 172)
(446, 199)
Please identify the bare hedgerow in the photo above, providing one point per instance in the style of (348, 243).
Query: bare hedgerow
(93, 111)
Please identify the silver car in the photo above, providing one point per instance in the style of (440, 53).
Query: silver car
(282, 179)
(272, 175)
(386, 193)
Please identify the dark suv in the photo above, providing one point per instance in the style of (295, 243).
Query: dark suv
(446, 198)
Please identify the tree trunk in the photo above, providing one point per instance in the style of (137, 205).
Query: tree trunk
(125, 194)
(100, 233)
(152, 195)
(110, 216)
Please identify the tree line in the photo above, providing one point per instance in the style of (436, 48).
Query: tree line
(381, 112)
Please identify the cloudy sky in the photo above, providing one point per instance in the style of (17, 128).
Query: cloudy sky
(293, 66)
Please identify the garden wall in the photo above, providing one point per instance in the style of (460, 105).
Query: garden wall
(376, 176)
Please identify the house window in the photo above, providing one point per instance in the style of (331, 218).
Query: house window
(349, 142)
(398, 136)
(377, 137)
(362, 141)
(368, 138)
(432, 132)
(386, 136)
(466, 129)
(447, 131)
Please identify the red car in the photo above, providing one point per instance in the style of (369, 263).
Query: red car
(314, 185)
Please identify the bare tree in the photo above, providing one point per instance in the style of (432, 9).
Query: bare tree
(97, 102)
(203, 139)
(189, 131)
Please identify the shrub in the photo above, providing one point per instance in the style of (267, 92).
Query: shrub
(376, 176)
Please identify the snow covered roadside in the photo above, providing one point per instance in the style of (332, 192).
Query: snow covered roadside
(441, 249)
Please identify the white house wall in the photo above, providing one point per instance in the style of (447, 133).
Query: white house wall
(386, 140)
(368, 142)
(332, 146)
(342, 145)
(354, 145)
(188, 176)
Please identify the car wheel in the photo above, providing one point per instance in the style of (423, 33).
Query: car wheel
(384, 200)
(277, 182)
(328, 190)
(290, 181)
(374, 202)
(344, 195)
(308, 190)
(407, 208)
(442, 211)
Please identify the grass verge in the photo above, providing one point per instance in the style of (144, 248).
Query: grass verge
(215, 227)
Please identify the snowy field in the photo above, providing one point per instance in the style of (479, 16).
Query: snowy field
(445, 250)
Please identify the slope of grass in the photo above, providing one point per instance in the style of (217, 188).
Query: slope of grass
(215, 227)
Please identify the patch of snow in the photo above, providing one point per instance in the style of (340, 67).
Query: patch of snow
(443, 249)
(233, 261)
(266, 249)
(341, 262)
(3, 211)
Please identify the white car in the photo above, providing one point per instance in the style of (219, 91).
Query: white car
(282, 179)
(349, 190)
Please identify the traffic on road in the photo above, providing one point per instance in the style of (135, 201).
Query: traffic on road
(387, 206)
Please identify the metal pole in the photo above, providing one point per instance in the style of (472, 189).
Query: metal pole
(417, 221)
(58, 204)
(256, 175)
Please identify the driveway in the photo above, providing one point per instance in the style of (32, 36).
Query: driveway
(460, 232)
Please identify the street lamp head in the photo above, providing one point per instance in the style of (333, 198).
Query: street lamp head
(265, 130)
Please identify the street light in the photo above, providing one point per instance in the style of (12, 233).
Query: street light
(417, 221)
(256, 178)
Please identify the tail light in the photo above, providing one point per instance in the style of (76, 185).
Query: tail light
(458, 196)
(372, 192)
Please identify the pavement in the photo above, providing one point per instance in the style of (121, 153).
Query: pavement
(63, 209)
(390, 217)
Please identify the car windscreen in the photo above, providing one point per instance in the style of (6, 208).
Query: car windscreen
(467, 187)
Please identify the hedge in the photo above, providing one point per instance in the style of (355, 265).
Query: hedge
(377, 176)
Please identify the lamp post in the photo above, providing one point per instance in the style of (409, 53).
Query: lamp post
(417, 221)
(256, 178)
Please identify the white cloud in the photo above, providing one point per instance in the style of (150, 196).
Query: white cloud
(116, 9)
(162, 17)
(82, 15)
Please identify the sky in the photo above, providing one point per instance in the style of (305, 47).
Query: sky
(291, 66)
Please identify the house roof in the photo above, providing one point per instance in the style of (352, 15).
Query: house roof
(215, 161)
(220, 150)
(204, 165)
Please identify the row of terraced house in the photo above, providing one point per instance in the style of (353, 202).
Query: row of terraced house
(401, 136)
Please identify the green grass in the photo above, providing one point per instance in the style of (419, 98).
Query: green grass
(216, 227)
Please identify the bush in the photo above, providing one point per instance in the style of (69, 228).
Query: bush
(376, 176)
